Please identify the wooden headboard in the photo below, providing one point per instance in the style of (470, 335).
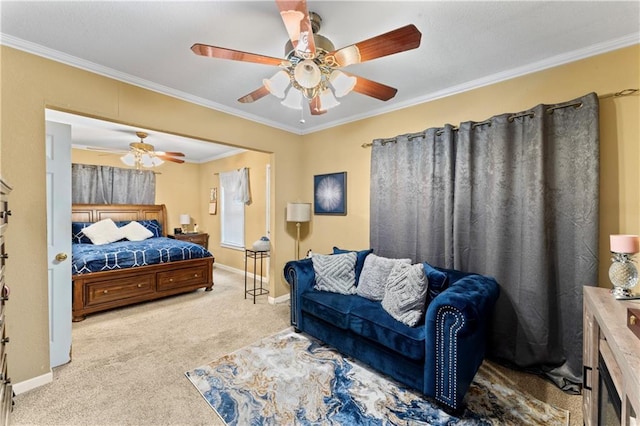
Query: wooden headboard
(119, 212)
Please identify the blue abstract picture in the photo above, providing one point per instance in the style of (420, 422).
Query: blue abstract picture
(330, 194)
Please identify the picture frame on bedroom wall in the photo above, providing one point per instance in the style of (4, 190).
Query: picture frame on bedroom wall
(330, 194)
(213, 200)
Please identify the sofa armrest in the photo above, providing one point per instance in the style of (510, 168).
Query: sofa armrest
(301, 277)
(456, 328)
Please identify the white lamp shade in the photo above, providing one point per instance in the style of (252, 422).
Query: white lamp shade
(185, 219)
(327, 100)
(293, 99)
(298, 212)
(155, 161)
(307, 74)
(342, 84)
(129, 159)
(277, 84)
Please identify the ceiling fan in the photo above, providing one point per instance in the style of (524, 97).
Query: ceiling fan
(142, 154)
(311, 68)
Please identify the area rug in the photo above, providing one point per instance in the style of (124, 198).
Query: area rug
(291, 378)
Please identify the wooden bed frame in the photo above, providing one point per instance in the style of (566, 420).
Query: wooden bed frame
(100, 291)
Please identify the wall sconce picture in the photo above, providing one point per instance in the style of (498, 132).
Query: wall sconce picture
(330, 194)
(213, 200)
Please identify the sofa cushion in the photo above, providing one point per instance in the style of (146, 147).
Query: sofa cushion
(406, 293)
(335, 273)
(438, 281)
(361, 255)
(374, 276)
(331, 307)
(370, 320)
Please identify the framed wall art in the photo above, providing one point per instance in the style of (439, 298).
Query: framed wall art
(213, 200)
(330, 194)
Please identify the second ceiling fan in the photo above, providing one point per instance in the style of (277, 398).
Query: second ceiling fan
(312, 63)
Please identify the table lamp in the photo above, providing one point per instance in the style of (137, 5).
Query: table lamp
(623, 272)
(298, 213)
(185, 220)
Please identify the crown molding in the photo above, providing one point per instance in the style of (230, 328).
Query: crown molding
(533, 67)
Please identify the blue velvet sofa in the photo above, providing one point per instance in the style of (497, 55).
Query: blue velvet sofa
(439, 357)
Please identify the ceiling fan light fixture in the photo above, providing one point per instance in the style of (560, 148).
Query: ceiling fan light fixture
(342, 83)
(129, 159)
(328, 100)
(291, 19)
(307, 74)
(146, 160)
(293, 99)
(277, 84)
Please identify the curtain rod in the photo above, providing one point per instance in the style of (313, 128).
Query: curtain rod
(625, 92)
(248, 168)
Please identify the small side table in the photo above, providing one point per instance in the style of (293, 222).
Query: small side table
(255, 255)
(196, 238)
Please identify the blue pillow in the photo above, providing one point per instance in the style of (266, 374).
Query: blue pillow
(360, 256)
(77, 236)
(438, 281)
(152, 225)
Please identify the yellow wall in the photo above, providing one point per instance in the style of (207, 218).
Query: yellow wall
(338, 149)
(254, 213)
(29, 84)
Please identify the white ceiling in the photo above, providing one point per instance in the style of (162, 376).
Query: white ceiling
(464, 45)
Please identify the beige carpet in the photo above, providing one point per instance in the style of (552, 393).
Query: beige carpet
(128, 365)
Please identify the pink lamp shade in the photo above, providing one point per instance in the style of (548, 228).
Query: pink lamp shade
(624, 243)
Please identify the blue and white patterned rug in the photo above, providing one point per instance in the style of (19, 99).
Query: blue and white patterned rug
(291, 378)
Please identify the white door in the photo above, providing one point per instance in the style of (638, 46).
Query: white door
(58, 152)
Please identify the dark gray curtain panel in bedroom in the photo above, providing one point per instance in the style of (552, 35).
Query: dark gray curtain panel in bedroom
(111, 185)
(525, 210)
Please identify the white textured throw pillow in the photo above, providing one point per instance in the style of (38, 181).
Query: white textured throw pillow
(375, 272)
(406, 293)
(103, 232)
(335, 273)
(135, 231)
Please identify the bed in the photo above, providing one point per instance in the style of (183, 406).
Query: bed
(112, 280)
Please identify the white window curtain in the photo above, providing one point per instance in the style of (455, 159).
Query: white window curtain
(234, 195)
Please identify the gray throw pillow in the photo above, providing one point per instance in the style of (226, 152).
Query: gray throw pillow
(375, 272)
(335, 273)
(406, 293)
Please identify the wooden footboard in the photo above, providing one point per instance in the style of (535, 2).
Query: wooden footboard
(101, 291)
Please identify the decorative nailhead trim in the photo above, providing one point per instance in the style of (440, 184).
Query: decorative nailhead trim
(292, 278)
(451, 358)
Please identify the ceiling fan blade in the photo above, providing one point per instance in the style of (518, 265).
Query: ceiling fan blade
(170, 153)
(396, 41)
(236, 55)
(372, 88)
(315, 106)
(255, 95)
(167, 158)
(295, 16)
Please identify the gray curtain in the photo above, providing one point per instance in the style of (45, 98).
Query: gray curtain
(111, 185)
(412, 196)
(525, 210)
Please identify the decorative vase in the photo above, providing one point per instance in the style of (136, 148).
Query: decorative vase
(263, 244)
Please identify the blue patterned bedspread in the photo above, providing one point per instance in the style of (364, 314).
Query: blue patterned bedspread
(130, 254)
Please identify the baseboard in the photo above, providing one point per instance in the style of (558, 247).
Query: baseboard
(33, 383)
(281, 299)
(272, 300)
(237, 271)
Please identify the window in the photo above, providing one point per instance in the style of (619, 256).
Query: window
(231, 220)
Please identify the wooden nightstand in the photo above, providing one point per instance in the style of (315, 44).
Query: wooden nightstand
(199, 238)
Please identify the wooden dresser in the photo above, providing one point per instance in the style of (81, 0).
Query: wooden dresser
(609, 341)
(199, 238)
(6, 390)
